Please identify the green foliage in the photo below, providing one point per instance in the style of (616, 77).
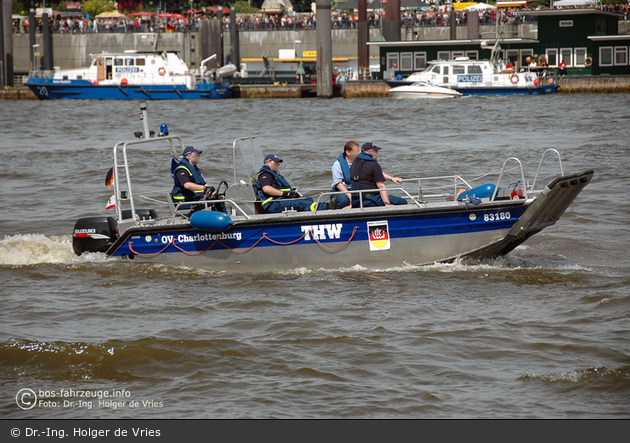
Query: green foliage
(19, 8)
(243, 7)
(614, 2)
(95, 7)
(542, 3)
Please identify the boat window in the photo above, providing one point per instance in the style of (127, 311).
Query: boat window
(434, 68)
(474, 69)
(118, 62)
(128, 62)
(140, 62)
(459, 69)
(79, 77)
(445, 71)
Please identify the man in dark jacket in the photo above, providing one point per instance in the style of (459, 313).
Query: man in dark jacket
(367, 174)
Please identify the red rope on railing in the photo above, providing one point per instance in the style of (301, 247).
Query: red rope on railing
(340, 247)
(245, 250)
(264, 236)
(195, 253)
(153, 253)
(289, 243)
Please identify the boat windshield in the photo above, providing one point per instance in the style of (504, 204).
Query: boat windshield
(247, 158)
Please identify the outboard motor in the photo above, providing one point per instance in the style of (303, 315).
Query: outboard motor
(93, 234)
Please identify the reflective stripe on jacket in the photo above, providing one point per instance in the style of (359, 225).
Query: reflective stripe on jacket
(179, 192)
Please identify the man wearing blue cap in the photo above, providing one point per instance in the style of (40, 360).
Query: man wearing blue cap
(276, 194)
(366, 174)
(189, 183)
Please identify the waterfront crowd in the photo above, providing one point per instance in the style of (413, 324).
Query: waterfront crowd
(79, 24)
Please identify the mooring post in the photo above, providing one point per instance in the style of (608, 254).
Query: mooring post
(324, 49)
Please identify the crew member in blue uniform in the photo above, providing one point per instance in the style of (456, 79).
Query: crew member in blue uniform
(276, 194)
(366, 173)
(189, 183)
(342, 181)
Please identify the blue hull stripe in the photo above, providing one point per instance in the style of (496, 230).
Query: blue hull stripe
(242, 238)
(83, 89)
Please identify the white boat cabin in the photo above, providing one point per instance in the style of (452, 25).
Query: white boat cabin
(463, 72)
(132, 68)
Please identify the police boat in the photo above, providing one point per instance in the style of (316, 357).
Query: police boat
(446, 218)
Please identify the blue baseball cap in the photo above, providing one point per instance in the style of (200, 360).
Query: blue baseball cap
(273, 157)
(190, 150)
(367, 146)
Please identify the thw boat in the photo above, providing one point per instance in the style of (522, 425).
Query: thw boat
(446, 217)
(423, 89)
(149, 75)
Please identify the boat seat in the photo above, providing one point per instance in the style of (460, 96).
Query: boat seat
(257, 203)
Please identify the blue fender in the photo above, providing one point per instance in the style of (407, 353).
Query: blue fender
(481, 191)
(211, 221)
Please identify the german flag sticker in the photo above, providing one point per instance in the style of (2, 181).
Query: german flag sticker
(378, 233)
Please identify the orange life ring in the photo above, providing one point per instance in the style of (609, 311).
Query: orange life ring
(514, 78)
(588, 62)
(162, 71)
(536, 82)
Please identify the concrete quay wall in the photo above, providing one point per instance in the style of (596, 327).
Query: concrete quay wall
(73, 51)
(377, 88)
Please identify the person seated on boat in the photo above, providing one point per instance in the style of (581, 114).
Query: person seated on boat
(276, 194)
(366, 174)
(189, 183)
(342, 182)
(509, 68)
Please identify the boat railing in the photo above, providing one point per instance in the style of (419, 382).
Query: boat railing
(499, 184)
(38, 73)
(439, 188)
(542, 158)
(123, 190)
(203, 205)
(361, 192)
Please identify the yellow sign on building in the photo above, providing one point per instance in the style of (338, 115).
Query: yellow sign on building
(462, 5)
(309, 54)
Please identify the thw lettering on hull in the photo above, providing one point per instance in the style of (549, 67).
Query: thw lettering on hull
(322, 232)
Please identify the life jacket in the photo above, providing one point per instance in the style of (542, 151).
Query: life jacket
(180, 193)
(356, 169)
(347, 178)
(279, 183)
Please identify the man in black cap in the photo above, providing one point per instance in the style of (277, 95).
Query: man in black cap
(366, 173)
(189, 183)
(276, 194)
